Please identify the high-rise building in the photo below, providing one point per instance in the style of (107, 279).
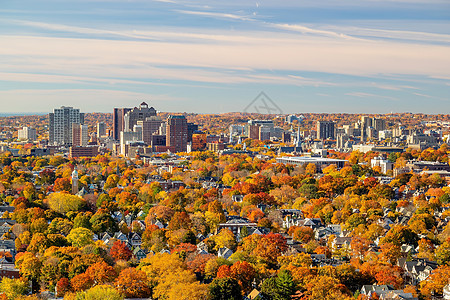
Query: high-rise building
(118, 121)
(150, 126)
(60, 124)
(137, 114)
(325, 130)
(101, 129)
(80, 135)
(379, 124)
(27, 133)
(253, 131)
(176, 133)
(191, 128)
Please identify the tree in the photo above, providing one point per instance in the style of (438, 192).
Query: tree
(225, 289)
(120, 251)
(101, 221)
(435, 283)
(29, 265)
(390, 252)
(100, 292)
(62, 185)
(62, 287)
(303, 234)
(64, 202)
(81, 282)
(194, 290)
(101, 273)
(80, 237)
(133, 283)
(13, 288)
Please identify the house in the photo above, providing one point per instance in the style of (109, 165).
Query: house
(369, 289)
(254, 295)
(340, 242)
(417, 270)
(224, 252)
(236, 225)
(135, 240)
(446, 292)
(138, 253)
(396, 295)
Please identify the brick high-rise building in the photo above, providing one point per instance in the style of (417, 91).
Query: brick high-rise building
(80, 136)
(176, 133)
(60, 124)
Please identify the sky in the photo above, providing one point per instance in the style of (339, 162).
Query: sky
(366, 56)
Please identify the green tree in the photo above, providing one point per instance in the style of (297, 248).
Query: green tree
(280, 287)
(225, 289)
(80, 237)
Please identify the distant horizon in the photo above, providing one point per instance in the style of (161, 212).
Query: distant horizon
(17, 114)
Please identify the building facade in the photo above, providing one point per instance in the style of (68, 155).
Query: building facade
(176, 133)
(140, 113)
(118, 121)
(325, 130)
(27, 133)
(80, 135)
(60, 124)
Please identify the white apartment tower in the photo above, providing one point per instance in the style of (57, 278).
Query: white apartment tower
(27, 133)
(60, 124)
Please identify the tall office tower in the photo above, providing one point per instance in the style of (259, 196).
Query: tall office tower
(101, 129)
(325, 130)
(137, 114)
(27, 133)
(366, 122)
(176, 133)
(60, 124)
(118, 121)
(80, 135)
(379, 124)
(150, 126)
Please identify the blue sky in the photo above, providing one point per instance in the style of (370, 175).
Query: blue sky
(217, 56)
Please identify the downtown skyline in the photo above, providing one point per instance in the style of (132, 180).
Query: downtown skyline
(213, 57)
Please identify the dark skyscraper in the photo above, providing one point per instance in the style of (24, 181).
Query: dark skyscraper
(177, 132)
(325, 130)
(118, 121)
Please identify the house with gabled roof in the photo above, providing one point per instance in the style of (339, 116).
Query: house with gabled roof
(225, 252)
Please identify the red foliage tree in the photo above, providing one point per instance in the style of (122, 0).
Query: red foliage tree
(120, 251)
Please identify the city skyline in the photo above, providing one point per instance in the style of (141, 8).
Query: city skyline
(213, 57)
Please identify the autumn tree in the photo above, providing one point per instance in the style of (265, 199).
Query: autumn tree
(80, 237)
(120, 251)
(13, 288)
(133, 283)
(64, 202)
(62, 185)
